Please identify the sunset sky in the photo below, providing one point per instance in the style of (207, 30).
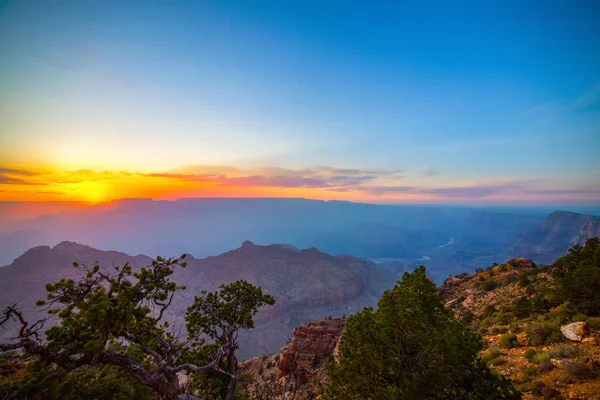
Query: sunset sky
(476, 102)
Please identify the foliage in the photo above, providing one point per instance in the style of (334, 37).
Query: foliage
(544, 332)
(582, 370)
(565, 350)
(542, 359)
(492, 353)
(104, 308)
(509, 341)
(530, 371)
(530, 353)
(578, 275)
(497, 361)
(42, 378)
(411, 347)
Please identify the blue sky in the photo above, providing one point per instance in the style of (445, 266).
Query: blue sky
(451, 93)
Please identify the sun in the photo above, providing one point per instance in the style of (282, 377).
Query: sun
(91, 191)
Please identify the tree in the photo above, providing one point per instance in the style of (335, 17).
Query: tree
(220, 316)
(411, 347)
(578, 275)
(106, 308)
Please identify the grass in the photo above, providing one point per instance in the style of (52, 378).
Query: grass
(491, 354)
(565, 350)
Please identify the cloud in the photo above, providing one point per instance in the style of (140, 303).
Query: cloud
(381, 190)
(587, 99)
(429, 171)
(12, 171)
(10, 180)
(276, 177)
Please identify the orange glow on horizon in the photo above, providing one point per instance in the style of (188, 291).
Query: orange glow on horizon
(92, 187)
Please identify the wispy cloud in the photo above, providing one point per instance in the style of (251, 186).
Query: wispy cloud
(13, 171)
(587, 99)
(11, 180)
(276, 177)
(429, 171)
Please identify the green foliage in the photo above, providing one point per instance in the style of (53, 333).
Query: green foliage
(111, 331)
(492, 353)
(497, 361)
(542, 359)
(544, 332)
(530, 353)
(582, 370)
(565, 350)
(509, 341)
(48, 381)
(489, 285)
(578, 275)
(411, 347)
(529, 372)
(234, 304)
(540, 389)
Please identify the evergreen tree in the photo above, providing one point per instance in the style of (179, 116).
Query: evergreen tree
(578, 275)
(411, 347)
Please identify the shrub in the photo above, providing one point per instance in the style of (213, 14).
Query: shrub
(509, 341)
(579, 317)
(514, 327)
(544, 391)
(277, 358)
(490, 285)
(594, 323)
(580, 370)
(544, 332)
(497, 361)
(499, 329)
(491, 354)
(269, 365)
(543, 360)
(529, 372)
(565, 350)
(530, 353)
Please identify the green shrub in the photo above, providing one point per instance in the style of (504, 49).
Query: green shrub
(542, 359)
(489, 285)
(499, 329)
(544, 332)
(492, 353)
(509, 341)
(497, 361)
(580, 370)
(565, 350)
(514, 327)
(544, 391)
(530, 353)
(579, 317)
(530, 371)
(269, 365)
(594, 323)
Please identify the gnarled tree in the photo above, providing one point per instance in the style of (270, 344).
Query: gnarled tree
(129, 308)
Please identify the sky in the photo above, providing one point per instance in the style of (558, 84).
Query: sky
(419, 102)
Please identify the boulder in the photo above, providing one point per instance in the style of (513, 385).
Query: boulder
(575, 331)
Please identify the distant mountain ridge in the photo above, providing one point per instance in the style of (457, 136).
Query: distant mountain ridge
(307, 284)
(556, 234)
